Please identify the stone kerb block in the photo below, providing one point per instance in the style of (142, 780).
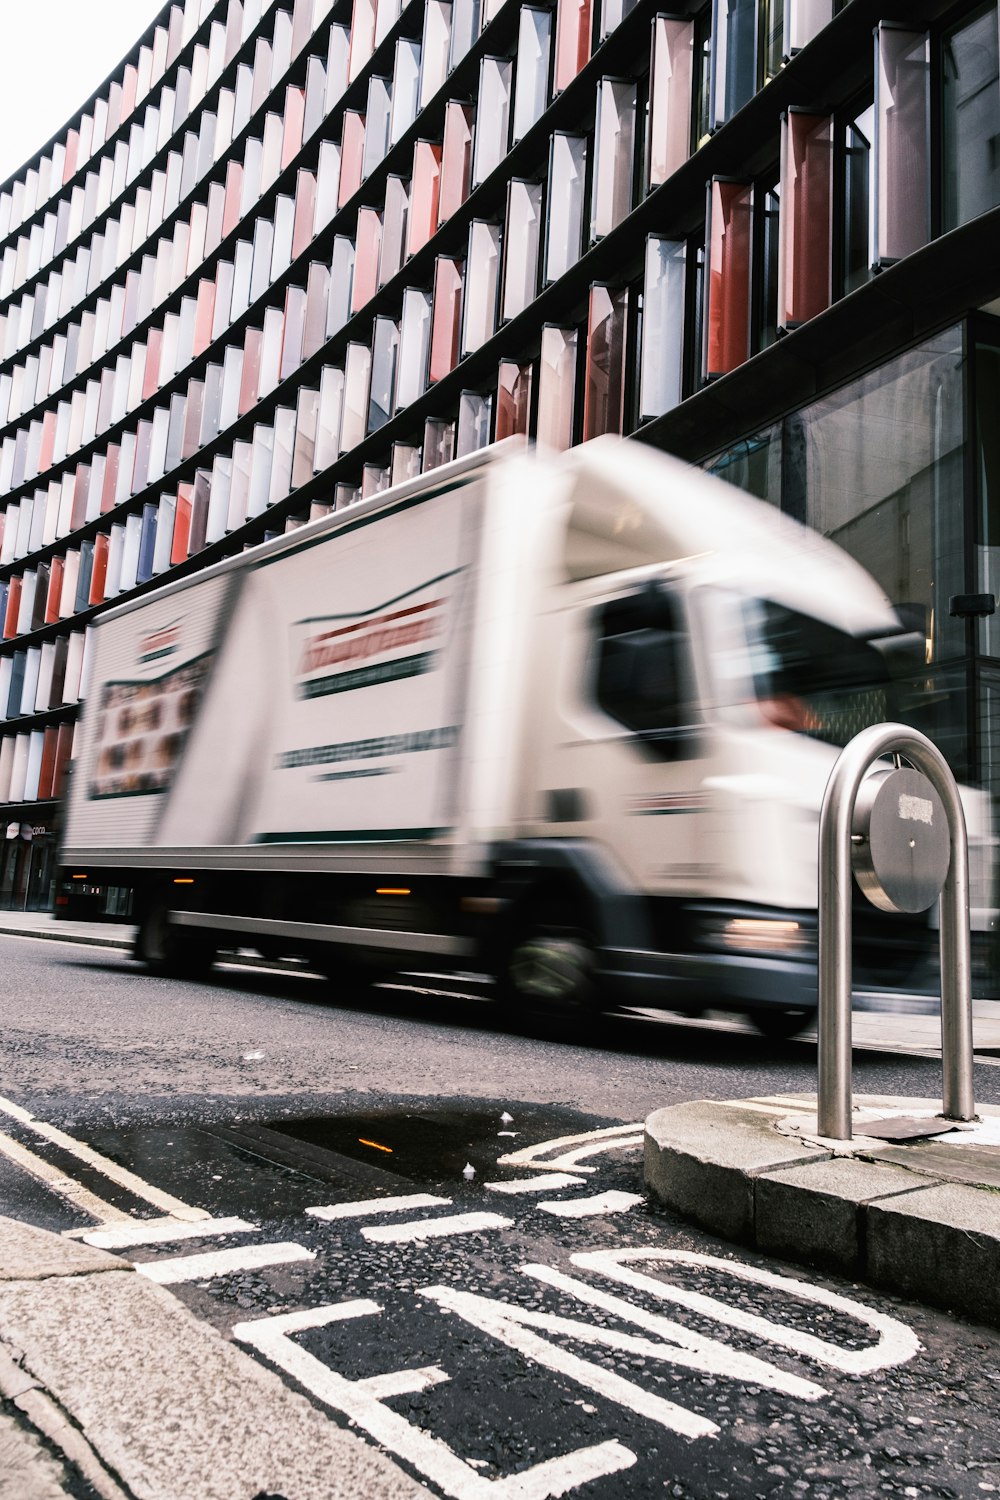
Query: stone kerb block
(817, 1213)
(942, 1245)
(703, 1159)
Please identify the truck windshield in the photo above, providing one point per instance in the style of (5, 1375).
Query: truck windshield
(812, 678)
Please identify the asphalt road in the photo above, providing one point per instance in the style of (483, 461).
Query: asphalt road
(534, 1316)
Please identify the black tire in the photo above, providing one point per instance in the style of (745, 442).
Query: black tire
(169, 951)
(549, 980)
(779, 1025)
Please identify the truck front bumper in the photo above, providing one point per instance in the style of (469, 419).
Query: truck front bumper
(681, 981)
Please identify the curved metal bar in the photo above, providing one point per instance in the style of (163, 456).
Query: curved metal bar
(835, 966)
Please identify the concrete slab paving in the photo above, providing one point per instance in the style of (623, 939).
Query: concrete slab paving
(27, 1471)
(172, 1408)
(30, 1254)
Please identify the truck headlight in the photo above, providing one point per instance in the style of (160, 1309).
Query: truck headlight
(752, 935)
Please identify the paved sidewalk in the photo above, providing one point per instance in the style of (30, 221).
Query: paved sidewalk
(144, 1399)
(920, 1217)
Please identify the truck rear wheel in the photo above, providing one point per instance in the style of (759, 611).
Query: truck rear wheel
(549, 978)
(174, 952)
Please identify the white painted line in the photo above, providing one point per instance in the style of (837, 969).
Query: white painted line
(109, 1169)
(365, 1206)
(675, 1344)
(403, 1382)
(598, 1203)
(535, 1184)
(222, 1262)
(431, 1456)
(896, 1342)
(163, 1231)
(588, 1143)
(55, 1179)
(512, 1326)
(430, 1229)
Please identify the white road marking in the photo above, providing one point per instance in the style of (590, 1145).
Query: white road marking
(362, 1207)
(55, 1179)
(428, 1229)
(222, 1262)
(163, 1231)
(896, 1342)
(598, 1203)
(109, 1169)
(677, 1344)
(512, 1325)
(535, 1184)
(430, 1455)
(403, 1382)
(588, 1143)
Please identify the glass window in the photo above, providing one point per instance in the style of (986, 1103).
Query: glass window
(804, 20)
(662, 362)
(405, 88)
(376, 124)
(970, 111)
(604, 383)
(987, 441)
(859, 199)
(481, 277)
(557, 387)
(473, 429)
(492, 113)
(531, 88)
(465, 16)
(513, 399)
(446, 318)
(902, 121)
(397, 201)
(456, 158)
(520, 271)
(671, 76)
(357, 377)
(385, 347)
(369, 239)
(424, 193)
(734, 57)
(414, 346)
(564, 226)
(614, 151)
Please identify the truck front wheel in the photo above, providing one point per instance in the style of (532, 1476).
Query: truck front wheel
(549, 975)
(779, 1024)
(174, 952)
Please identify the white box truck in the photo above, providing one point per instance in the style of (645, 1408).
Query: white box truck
(564, 720)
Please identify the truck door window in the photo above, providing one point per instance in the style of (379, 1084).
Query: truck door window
(640, 672)
(811, 678)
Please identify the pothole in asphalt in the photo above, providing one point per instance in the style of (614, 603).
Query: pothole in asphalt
(429, 1145)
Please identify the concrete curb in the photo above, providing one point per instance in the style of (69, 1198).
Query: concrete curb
(147, 1400)
(752, 1171)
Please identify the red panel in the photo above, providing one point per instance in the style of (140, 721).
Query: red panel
(604, 385)
(182, 525)
(805, 217)
(456, 159)
(572, 41)
(48, 767)
(727, 319)
(13, 605)
(352, 150)
(55, 591)
(513, 400)
(424, 193)
(447, 317)
(48, 441)
(98, 576)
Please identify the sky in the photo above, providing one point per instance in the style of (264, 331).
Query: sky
(53, 54)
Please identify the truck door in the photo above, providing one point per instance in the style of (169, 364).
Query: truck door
(643, 682)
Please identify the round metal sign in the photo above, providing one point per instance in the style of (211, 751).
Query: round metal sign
(901, 847)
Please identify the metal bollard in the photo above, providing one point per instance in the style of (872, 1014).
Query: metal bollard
(835, 965)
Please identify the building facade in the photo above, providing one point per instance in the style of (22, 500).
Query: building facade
(293, 251)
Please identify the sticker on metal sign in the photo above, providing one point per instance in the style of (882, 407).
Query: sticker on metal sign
(901, 847)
